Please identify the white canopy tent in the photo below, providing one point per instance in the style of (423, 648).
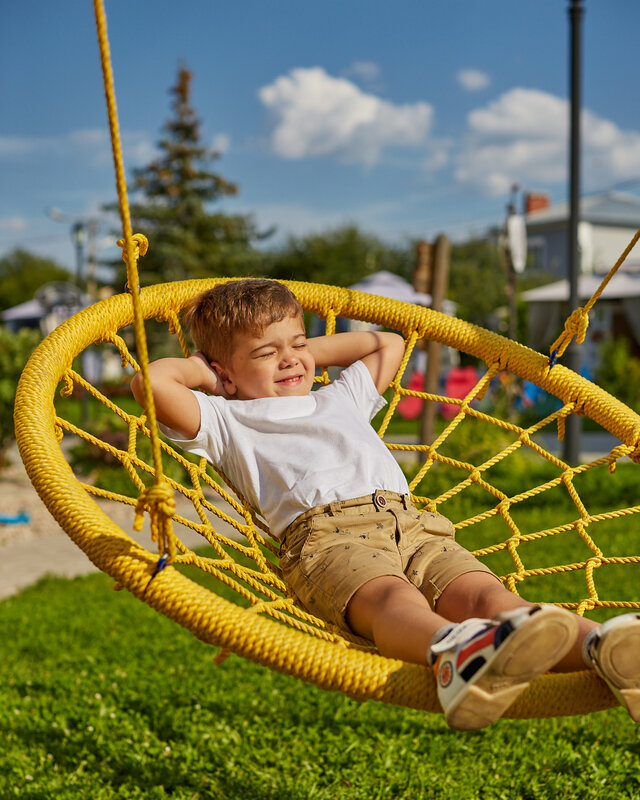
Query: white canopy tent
(387, 284)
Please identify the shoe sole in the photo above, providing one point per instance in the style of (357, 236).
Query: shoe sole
(620, 663)
(530, 650)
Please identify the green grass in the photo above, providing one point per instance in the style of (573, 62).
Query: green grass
(103, 698)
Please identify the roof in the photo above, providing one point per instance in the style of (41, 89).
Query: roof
(605, 208)
(622, 285)
(32, 309)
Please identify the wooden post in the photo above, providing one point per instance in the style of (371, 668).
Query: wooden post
(439, 285)
(423, 272)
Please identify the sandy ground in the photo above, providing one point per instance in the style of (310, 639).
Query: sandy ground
(17, 495)
(30, 550)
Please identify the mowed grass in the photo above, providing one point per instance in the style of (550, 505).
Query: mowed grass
(103, 698)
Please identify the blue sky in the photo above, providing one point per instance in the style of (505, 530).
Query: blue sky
(408, 118)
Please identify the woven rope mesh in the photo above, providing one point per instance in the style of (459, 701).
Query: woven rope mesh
(556, 539)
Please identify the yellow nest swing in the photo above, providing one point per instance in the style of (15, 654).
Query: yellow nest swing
(264, 625)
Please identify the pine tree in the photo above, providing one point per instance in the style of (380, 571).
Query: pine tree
(175, 191)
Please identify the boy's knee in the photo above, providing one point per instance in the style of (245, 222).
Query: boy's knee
(373, 598)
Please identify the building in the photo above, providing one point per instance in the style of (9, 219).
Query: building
(608, 223)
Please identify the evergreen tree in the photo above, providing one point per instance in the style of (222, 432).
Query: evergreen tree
(187, 239)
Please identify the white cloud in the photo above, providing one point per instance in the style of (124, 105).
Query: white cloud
(220, 143)
(13, 224)
(317, 114)
(11, 146)
(522, 138)
(473, 79)
(367, 71)
(91, 145)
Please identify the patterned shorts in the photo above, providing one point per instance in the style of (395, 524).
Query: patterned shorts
(330, 551)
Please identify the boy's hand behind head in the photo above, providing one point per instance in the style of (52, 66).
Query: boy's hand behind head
(209, 381)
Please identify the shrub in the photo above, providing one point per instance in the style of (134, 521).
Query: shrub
(619, 372)
(15, 349)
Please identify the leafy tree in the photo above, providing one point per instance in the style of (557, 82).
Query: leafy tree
(341, 257)
(619, 371)
(477, 281)
(22, 273)
(15, 349)
(172, 197)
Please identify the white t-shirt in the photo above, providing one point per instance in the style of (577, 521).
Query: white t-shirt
(288, 454)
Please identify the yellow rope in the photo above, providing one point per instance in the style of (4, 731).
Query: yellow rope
(159, 501)
(578, 321)
(278, 633)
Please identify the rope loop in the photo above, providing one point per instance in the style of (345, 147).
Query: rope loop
(139, 246)
(576, 325)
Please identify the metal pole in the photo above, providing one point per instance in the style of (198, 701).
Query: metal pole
(574, 352)
(78, 234)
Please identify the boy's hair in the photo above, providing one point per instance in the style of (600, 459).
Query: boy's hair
(247, 305)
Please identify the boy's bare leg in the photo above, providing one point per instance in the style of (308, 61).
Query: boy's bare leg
(396, 616)
(478, 594)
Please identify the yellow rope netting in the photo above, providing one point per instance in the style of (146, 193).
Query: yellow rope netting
(569, 554)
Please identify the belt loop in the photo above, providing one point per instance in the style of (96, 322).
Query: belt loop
(335, 508)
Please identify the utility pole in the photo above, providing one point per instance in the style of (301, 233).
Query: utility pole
(573, 358)
(79, 237)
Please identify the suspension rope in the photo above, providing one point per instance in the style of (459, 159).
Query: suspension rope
(578, 321)
(158, 499)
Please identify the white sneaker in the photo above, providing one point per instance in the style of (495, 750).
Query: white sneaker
(613, 650)
(481, 666)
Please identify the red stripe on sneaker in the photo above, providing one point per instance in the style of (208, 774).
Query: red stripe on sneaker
(475, 645)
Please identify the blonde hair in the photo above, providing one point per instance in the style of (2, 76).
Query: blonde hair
(247, 305)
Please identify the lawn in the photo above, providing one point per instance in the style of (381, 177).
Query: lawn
(104, 698)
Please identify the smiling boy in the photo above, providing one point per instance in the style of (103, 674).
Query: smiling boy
(354, 549)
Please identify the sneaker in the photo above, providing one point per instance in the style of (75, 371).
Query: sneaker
(481, 666)
(613, 650)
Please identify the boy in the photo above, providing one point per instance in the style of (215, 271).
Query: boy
(355, 551)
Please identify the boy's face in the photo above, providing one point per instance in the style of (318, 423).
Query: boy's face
(276, 363)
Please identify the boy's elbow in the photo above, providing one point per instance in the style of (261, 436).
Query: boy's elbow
(136, 387)
(396, 344)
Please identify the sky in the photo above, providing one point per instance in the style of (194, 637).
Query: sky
(408, 118)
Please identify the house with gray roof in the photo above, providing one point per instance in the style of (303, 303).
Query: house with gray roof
(608, 223)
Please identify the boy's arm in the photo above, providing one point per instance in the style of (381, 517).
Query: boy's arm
(381, 352)
(171, 382)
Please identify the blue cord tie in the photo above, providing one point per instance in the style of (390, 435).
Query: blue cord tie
(162, 563)
(553, 358)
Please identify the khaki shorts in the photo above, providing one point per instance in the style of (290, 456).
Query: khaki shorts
(330, 551)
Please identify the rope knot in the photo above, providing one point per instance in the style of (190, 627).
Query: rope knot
(576, 325)
(139, 246)
(158, 500)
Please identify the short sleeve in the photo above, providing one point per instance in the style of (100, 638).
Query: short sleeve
(356, 382)
(210, 439)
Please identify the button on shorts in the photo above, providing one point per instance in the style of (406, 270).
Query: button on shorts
(330, 551)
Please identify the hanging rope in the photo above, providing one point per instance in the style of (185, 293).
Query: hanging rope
(157, 499)
(577, 323)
